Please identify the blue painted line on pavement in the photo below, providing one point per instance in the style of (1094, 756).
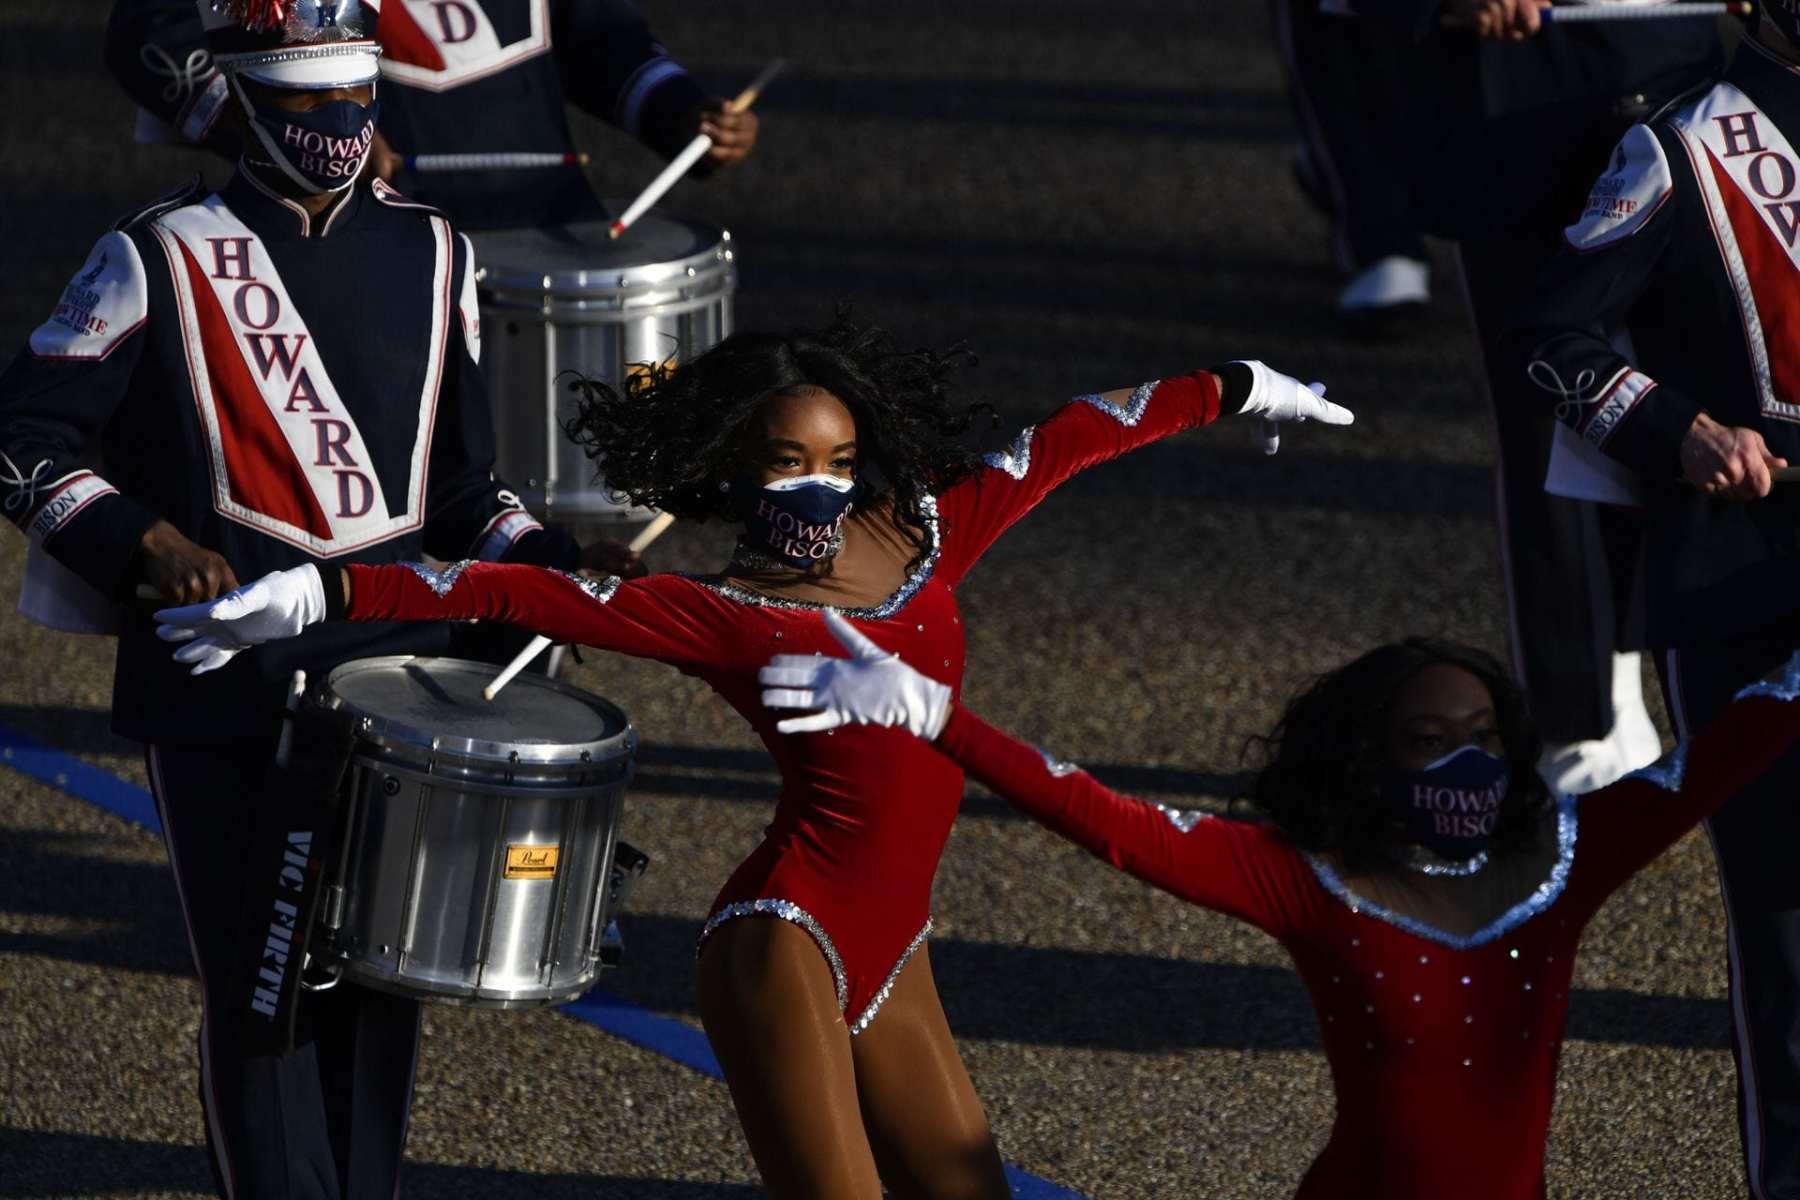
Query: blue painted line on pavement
(614, 1014)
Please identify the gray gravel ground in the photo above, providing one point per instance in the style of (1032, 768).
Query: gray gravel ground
(1093, 195)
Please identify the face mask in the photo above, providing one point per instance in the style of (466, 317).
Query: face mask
(322, 149)
(1452, 806)
(797, 520)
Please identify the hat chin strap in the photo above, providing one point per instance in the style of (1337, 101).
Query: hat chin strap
(277, 157)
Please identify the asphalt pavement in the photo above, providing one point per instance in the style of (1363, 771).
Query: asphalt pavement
(1091, 195)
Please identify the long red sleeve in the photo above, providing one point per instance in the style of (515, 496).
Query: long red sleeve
(663, 616)
(1242, 869)
(1624, 826)
(1079, 435)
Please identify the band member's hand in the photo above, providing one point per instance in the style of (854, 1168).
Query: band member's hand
(1274, 398)
(612, 558)
(1725, 462)
(733, 133)
(384, 161)
(278, 605)
(178, 569)
(871, 687)
(1496, 20)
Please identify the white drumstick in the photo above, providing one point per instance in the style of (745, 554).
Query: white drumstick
(1569, 14)
(296, 693)
(671, 175)
(540, 643)
(691, 154)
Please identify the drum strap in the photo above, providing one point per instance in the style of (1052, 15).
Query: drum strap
(294, 830)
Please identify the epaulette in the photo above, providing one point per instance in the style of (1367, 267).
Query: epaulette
(387, 194)
(188, 193)
(1681, 99)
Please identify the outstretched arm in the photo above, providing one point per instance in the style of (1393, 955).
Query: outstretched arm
(662, 617)
(1624, 826)
(1237, 868)
(1094, 429)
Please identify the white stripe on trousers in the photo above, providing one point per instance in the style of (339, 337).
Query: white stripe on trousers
(1751, 1095)
(209, 1096)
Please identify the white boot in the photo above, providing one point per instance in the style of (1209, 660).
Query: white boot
(1387, 284)
(1573, 768)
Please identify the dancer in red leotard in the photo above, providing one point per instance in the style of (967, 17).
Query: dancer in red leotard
(825, 1019)
(1431, 893)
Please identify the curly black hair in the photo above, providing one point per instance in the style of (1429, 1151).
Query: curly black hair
(672, 433)
(1321, 778)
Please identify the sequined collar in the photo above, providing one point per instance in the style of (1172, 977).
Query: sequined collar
(920, 576)
(1545, 894)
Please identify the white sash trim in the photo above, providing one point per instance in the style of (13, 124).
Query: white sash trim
(1701, 137)
(319, 429)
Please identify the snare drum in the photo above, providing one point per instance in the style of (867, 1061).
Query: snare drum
(477, 838)
(570, 298)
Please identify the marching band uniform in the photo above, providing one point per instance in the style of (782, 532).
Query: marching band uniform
(1504, 137)
(462, 77)
(1688, 242)
(283, 389)
(1417, 1021)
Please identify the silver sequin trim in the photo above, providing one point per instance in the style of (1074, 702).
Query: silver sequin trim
(1015, 460)
(887, 985)
(1183, 819)
(1667, 771)
(1129, 413)
(880, 612)
(1785, 688)
(786, 910)
(439, 581)
(599, 590)
(1540, 899)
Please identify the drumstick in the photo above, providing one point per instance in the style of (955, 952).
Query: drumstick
(1568, 14)
(691, 154)
(540, 643)
(1785, 475)
(296, 693)
(426, 163)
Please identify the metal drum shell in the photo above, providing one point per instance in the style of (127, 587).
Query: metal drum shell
(567, 298)
(426, 907)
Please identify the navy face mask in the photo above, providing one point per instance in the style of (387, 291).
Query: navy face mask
(322, 149)
(796, 520)
(1452, 806)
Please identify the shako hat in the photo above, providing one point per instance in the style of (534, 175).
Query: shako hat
(302, 45)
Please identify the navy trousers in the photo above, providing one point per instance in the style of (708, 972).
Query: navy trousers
(327, 1121)
(1753, 838)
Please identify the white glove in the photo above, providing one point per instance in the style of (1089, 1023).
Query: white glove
(279, 605)
(1275, 398)
(871, 687)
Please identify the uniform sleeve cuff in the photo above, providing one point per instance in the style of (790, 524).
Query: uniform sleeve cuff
(100, 541)
(660, 121)
(1648, 438)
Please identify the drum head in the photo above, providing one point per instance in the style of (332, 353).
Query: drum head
(436, 705)
(581, 258)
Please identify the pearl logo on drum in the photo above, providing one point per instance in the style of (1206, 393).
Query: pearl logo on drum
(530, 862)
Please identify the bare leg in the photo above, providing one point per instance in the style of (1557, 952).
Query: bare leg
(924, 1119)
(769, 1004)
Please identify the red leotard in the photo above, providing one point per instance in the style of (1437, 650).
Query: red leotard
(864, 812)
(1443, 1048)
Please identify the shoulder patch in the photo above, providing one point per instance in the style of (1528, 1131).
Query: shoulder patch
(104, 304)
(393, 198)
(191, 192)
(1636, 183)
(468, 307)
